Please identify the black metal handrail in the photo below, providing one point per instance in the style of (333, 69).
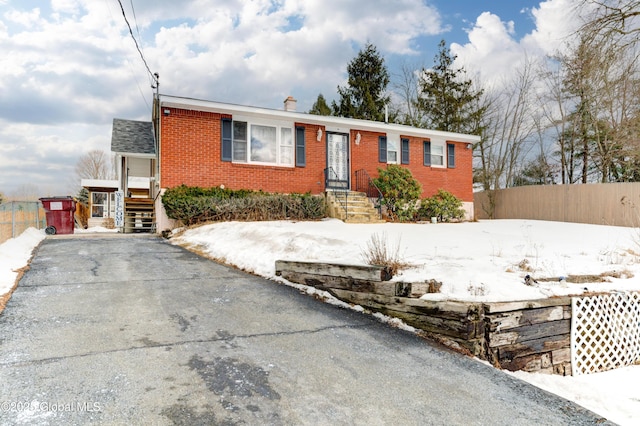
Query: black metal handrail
(365, 184)
(329, 176)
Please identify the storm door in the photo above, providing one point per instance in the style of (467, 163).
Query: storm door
(337, 171)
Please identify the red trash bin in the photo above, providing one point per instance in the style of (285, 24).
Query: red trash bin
(59, 211)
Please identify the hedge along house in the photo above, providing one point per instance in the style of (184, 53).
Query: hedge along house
(204, 143)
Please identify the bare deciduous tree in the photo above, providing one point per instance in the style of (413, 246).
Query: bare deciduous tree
(555, 129)
(95, 164)
(601, 80)
(508, 125)
(406, 88)
(614, 20)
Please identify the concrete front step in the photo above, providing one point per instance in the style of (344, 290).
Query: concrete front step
(359, 207)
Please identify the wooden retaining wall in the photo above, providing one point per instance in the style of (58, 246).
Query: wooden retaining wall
(530, 335)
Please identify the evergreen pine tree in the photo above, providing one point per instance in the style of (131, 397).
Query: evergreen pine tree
(364, 95)
(320, 107)
(447, 100)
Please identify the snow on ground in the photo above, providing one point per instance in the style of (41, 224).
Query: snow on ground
(93, 230)
(481, 261)
(475, 261)
(15, 254)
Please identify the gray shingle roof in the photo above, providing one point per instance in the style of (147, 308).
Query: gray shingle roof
(134, 137)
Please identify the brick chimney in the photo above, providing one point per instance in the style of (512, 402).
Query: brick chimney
(290, 104)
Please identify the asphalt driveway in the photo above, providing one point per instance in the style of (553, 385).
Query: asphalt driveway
(133, 330)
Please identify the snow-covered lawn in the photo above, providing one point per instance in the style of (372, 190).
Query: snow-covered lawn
(482, 261)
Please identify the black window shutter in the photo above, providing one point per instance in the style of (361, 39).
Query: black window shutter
(382, 149)
(451, 155)
(301, 154)
(427, 153)
(227, 140)
(405, 151)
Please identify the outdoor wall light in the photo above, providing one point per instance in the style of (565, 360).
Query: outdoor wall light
(319, 135)
(358, 138)
(469, 145)
(166, 112)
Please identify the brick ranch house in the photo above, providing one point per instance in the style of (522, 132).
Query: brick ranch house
(206, 143)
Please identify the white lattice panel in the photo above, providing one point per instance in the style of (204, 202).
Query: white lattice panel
(605, 332)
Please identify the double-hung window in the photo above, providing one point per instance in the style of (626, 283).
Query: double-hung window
(437, 155)
(257, 142)
(433, 154)
(392, 151)
(393, 147)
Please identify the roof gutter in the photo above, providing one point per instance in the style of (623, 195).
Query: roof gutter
(321, 120)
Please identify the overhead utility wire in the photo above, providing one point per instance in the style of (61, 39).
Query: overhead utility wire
(153, 76)
(135, 21)
(129, 63)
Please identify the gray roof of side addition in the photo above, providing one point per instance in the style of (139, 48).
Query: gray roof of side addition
(132, 137)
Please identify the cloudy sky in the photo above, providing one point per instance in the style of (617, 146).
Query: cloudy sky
(68, 67)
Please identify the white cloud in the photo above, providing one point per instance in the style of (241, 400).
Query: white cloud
(66, 6)
(492, 51)
(28, 19)
(556, 21)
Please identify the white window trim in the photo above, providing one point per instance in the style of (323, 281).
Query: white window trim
(279, 125)
(394, 144)
(443, 145)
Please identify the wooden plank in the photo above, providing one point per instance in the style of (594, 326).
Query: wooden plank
(362, 272)
(526, 363)
(416, 306)
(435, 306)
(561, 356)
(502, 339)
(507, 320)
(417, 290)
(563, 369)
(446, 324)
(526, 304)
(325, 282)
(530, 332)
(464, 330)
(546, 344)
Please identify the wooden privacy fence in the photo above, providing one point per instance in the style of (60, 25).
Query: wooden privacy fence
(16, 216)
(600, 204)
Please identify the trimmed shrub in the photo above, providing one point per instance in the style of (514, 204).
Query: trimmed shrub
(191, 205)
(444, 205)
(400, 192)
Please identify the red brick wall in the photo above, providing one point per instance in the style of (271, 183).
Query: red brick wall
(458, 180)
(190, 154)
